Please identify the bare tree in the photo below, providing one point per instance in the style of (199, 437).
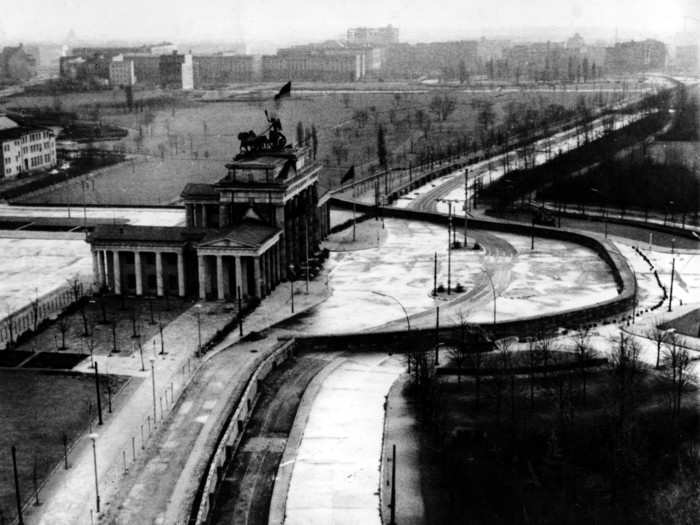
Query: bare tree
(659, 336)
(625, 368)
(581, 340)
(76, 287)
(35, 311)
(460, 351)
(505, 351)
(442, 106)
(63, 326)
(677, 366)
(10, 326)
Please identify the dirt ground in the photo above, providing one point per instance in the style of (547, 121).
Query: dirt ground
(36, 410)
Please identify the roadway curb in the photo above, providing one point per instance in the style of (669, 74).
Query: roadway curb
(278, 501)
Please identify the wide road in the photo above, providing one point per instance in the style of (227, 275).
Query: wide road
(245, 492)
(159, 488)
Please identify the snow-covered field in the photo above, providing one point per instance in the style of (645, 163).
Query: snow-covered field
(135, 216)
(553, 277)
(35, 267)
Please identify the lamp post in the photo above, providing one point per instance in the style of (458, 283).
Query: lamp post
(405, 313)
(605, 214)
(97, 391)
(670, 294)
(291, 285)
(493, 291)
(93, 438)
(198, 311)
(153, 384)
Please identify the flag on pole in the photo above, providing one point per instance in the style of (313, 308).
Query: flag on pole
(285, 91)
(350, 175)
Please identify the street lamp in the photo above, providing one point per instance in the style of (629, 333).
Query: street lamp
(291, 284)
(605, 215)
(93, 438)
(153, 383)
(408, 322)
(493, 291)
(198, 311)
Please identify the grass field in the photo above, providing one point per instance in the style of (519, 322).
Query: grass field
(689, 324)
(185, 140)
(36, 410)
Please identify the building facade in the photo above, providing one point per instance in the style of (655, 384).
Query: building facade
(635, 57)
(304, 64)
(218, 70)
(175, 71)
(373, 36)
(243, 235)
(16, 64)
(25, 149)
(146, 68)
(121, 72)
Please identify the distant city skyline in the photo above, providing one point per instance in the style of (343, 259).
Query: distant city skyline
(267, 24)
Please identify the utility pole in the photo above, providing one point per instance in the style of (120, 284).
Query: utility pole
(99, 401)
(670, 295)
(306, 246)
(449, 249)
(240, 313)
(18, 498)
(435, 275)
(437, 335)
(392, 504)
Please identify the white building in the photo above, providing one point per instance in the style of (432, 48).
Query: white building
(24, 149)
(121, 72)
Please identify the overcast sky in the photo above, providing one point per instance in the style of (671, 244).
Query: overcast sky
(284, 21)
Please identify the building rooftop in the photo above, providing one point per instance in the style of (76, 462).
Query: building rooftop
(248, 234)
(199, 190)
(155, 234)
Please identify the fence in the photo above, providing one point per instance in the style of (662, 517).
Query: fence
(49, 306)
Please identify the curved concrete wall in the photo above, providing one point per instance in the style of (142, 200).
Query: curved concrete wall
(619, 306)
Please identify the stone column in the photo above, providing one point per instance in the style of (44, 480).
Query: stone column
(257, 263)
(117, 273)
(137, 270)
(219, 278)
(95, 266)
(180, 275)
(189, 214)
(204, 216)
(105, 268)
(227, 277)
(239, 276)
(159, 274)
(202, 277)
(224, 215)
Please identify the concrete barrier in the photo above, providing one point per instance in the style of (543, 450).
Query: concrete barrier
(229, 441)
(572, 318)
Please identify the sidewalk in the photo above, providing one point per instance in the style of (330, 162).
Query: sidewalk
(336, 474)
(400, 429)
(69, 495)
